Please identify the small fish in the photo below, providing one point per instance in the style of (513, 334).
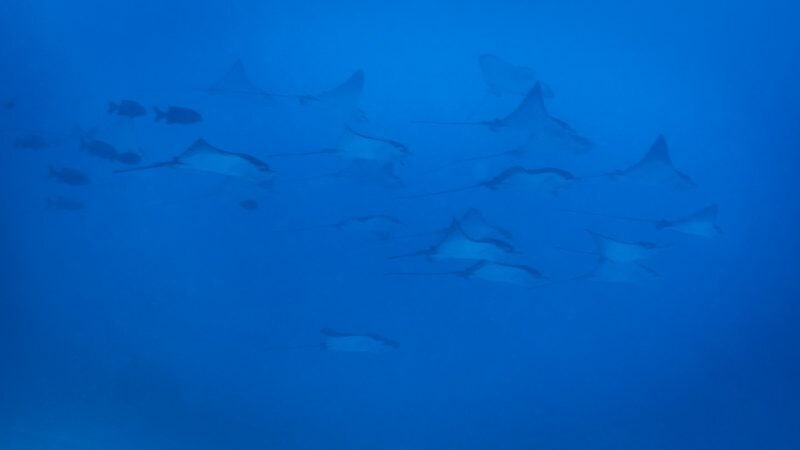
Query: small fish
(249, 204)
(69, 176)
(65, 204)
(130, 158)
(127, 108)
(99, 149)
(31, 142)
(178, 115)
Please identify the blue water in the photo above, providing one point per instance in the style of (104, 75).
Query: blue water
(161, 313)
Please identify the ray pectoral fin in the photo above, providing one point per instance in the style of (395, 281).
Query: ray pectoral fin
(170, 163)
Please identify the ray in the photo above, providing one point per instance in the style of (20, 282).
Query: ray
(346, 94)
(530, 115)
(474, 225)
(204, 157)
(547, 179)
(617, 250)
(357, 146)
(337, 341)
(492, 271)
(235, 82)
(624, 273)
(656, 168)
(504, 78)
(457, 245)
(702, 223)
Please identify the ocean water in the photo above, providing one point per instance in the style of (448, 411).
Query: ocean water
(289, 282)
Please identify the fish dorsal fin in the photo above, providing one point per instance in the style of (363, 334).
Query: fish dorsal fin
(530, 110)
(199, 146)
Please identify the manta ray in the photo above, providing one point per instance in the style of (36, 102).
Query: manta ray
(702, 223)
(492, 271)
(204, 157)
(531, 115)
(457, 244)
(547, 179)
(656, 168)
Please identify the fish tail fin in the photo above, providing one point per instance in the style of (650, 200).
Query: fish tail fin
(112, 107)
(170, 163)
(433, 194)
(159, 114)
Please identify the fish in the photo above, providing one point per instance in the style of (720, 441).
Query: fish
(702, 223)
(69, 176)
(99, 149)
(337, 341)
(65, 204)
(456, 244)
(31, 142)
(129, 158)
(515, 274)
(204, 157)
(531, 115)
(504, 78)
(127, 108)
(176, 115)
(547, 179)
(656, 168)
(619, 251)
(249, 204)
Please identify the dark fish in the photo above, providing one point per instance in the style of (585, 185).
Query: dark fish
(31, 142)
(248, 204)
(130, 158)
(72, 177)
(178, 115)
(98, 148)
(65, 204)
(127, 108)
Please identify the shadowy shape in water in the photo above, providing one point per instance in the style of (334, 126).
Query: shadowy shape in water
(204, 157)
(701, 223)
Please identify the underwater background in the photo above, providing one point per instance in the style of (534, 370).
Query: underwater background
(183, 309)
